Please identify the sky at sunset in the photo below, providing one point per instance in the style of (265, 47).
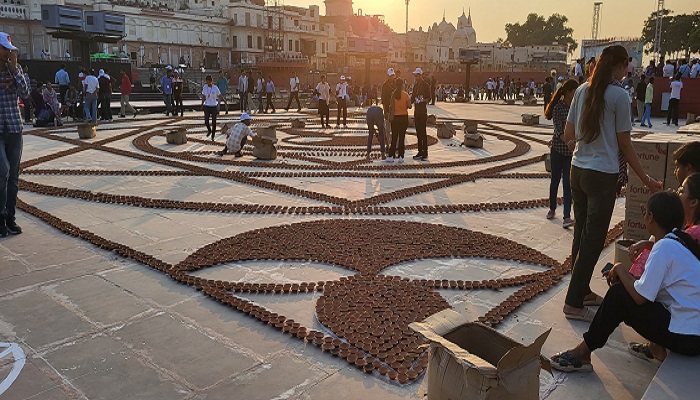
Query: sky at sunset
(619, 17)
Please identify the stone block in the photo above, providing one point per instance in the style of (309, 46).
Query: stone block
(87, 131)
(264, 148)
(473, 140)
(470, 126)
(176, 136)
(446, 130)
(531, 119)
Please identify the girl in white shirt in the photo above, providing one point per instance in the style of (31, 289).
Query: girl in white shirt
(662, 306)
(210, 95)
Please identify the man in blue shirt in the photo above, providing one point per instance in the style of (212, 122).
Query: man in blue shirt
(63, 81)
(13, 84)
(222, 84)
(166, 86)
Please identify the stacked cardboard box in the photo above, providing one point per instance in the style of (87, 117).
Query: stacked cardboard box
(655, 153)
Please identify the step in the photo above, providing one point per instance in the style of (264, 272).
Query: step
(677, 378)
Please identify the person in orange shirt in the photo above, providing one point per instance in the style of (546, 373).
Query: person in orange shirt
(402, 103)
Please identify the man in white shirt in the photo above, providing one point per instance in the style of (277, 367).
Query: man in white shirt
(323, 91)
(293, 92)
(243, 91)
(578, 70)
(695, 68)
(237, 136)
(210, 101)
(674, 101)
(260, 91)
(341, 91)
(669, 69)
(92, 86)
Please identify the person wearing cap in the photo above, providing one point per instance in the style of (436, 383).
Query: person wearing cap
(341, 91)
(166, 86)
(323, 91)
(92, 86)
(420, 98)
(388, 88)
(13, 84)
(237, 136)
(210, 100)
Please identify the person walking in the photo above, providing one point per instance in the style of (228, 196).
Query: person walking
(648, 99)
(420, 98)
(399, 123)
(547, 94)
(323, 91)
(13, 85)
(343, 95)
(124, 99)
(92, 87)
(641, 94)
(375, 118)
(210, 102)
(599, 123)
(178, 89)
(560, 155)
(166, 86)
(63, 81)
(674, 101)
(243, 91)
(388, 88)
(293, 92)
(222, 84)
(433, 88)
(269, 94)
(260, 92)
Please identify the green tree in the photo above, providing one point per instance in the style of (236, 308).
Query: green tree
(536, 30)
(679, 33)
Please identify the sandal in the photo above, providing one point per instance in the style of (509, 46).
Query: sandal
(587, 316)
(567, 362)
(595, 302)
(641, 350)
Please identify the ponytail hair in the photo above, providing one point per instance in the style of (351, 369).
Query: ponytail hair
(569, 86)
(602, 75)
(399, 89)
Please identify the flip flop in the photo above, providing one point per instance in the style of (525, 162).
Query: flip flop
(587, 316)
(595, 302)
(641, 351)
(567, 362)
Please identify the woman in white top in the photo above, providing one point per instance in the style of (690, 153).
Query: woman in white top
(210, 96)
(599, 125)
(663, 305)
(675, 100)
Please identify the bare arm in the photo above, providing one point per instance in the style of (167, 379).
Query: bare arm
(618, 274)
(570, 135)
(624, 141)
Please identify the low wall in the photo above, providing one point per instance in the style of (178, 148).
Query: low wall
(690, 96)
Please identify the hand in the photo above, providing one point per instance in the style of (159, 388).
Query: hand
(611, 276)
(571, 145)
(654, 185)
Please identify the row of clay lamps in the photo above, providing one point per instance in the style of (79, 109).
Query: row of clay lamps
(405, 361)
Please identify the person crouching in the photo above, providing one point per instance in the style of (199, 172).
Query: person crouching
(237, 136)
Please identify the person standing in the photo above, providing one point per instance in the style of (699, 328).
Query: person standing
(599, 125)
(92, 87)
(547, 94)
(641, 94)
(293, 92)
(243, 92)
(222, 84)
(648, 99)
(669, 70)
(433, 88)
(388, 88)
(684, 68)
(674, 101)
(105, 94)
(238, 136)
(341, 91)
(260, 91)
(14, 85)
(375, 118)
(269, 94)
(695, 68)
(63, 81)
(399, 123)
(651, 69)
(560, 155)
(210, 101)
(178, 89)
(420, 98)
(166, 86)
(323, 91)
(124, 99)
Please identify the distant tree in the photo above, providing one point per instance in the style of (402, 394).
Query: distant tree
(537, 30)
(679, 34)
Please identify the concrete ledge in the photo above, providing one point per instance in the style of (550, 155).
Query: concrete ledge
(677, 378)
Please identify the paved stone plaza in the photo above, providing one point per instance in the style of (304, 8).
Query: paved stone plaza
(156, 271)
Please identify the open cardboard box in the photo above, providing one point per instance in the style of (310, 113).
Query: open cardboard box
(471, 361)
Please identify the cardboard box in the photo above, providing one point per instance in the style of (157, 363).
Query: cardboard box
(87, 131)
(471, 361)
(635, 227)
(473, 140)
(176, 136)
(264, 148)
(652, 155)
(636, 191)
(266, 131)
(445, 130)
